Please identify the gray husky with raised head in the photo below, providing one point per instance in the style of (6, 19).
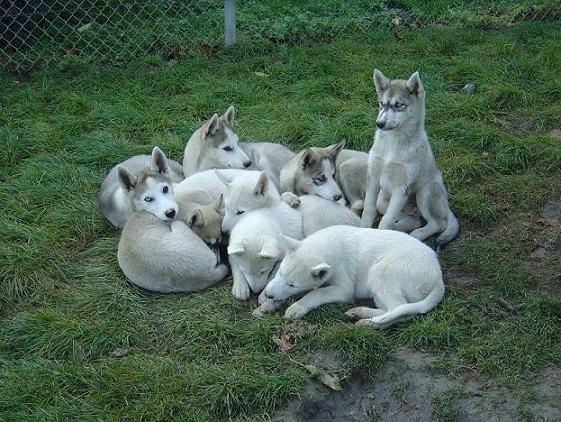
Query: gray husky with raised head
(217, 146)
(312, 172)
(214, 145)
(115, 200)
(402, 171)
(157, 251)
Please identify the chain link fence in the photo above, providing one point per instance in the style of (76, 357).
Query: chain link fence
(35, 32)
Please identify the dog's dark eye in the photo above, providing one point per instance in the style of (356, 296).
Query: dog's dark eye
(148, 199)
(239, 212)
(165, 189)
(227, 148)
(291, 285)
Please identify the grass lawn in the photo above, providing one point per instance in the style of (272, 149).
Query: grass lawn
(65, 306)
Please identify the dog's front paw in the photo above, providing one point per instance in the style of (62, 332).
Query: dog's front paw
(295, 311)
(240, 291)
(291, 199)
(354, 314)
(366, 322)
(263, 298)
(265, 308)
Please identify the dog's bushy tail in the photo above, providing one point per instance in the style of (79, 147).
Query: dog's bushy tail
(449, 234)
(409, 309)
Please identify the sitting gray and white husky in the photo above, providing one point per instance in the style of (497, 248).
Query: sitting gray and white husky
(156, 251)
(401, 167)
(115, 200)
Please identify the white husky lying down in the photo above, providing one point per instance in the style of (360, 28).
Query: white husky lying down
(156, 251)
(341, 263)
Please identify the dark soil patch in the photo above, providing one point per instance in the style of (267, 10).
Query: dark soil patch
(406, 389)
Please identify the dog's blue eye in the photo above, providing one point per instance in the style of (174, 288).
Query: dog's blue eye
(165, 189)
(320, 180)
(239, 212)
(148, 199)
(227, 149)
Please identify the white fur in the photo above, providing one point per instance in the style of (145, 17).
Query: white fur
(210, 181)
(254, 250)
(341, 263)
(251, 191)
(159, 255)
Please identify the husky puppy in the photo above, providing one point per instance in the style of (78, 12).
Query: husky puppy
(202, 213)
(215, 145)
(114, 201)
(253, 191)
(401, 166)
(255, 250)
(312, 172)
(157, 252)
(340, 264)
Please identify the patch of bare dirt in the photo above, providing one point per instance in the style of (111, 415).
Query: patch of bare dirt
(514, 123)
(406, 390)
(544, 262)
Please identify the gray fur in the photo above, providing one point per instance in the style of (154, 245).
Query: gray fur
(118, 211)
(401, 169)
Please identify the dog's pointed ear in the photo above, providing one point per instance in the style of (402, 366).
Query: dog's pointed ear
(217, 203)
(229, 115)
(223, 178)
(270, 249)
(308, 158)
(196, 219)
(236, 248)
(321, 272)
(380, 81)
(159, 162)
(211, 127)
(414, 84)
(262, 184)
(126, 178)
(335, 149)
(290, 243)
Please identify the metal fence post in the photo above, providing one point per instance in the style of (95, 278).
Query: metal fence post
(230, 22)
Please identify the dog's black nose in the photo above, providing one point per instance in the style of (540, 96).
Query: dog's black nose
(246, 164)
(170, 213)
(380, 125)
(337, 197)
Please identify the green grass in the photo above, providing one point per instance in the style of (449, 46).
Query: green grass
(65, 306)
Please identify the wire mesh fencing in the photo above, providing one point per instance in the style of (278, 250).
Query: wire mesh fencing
(34, 32)
(37, 31)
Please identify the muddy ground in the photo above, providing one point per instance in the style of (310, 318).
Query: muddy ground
(407, 388)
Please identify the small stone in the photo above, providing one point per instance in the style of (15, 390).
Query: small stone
(469, 89)
(119, 353)
(555, 133)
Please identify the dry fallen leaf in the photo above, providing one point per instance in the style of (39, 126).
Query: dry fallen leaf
(329, 380)
(285, 342)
